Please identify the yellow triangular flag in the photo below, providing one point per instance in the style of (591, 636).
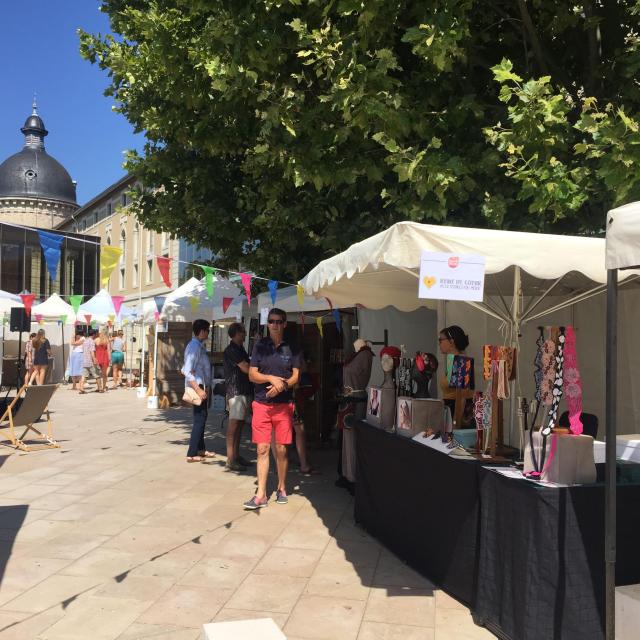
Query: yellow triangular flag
(109, 257)
(194, 302)
(300, 294)
(319, 323)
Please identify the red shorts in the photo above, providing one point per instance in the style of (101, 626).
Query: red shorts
(270, 417)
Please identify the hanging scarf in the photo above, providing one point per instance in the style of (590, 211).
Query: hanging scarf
(558, 384)
(572, 382)
(548, 369)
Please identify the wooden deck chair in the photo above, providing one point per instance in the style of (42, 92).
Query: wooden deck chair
(30, 403)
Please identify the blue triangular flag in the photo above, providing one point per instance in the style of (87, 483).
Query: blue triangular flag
(336, 316)
(159, 300)
(50, 243)
(273, 289)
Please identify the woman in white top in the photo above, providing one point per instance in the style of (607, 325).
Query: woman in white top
(75, 358)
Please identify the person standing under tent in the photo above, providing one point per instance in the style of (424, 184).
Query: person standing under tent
(41, 355)
(28, 358)
(76, 358)
(197, 375)
(90, 367)
(274, 370)
(238, 391)
(118, 350)
(103, 356)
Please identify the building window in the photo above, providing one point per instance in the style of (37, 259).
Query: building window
(150, 242)
(109, 208)
(164, 238)
(124, 200)
(136, 240)
(123, 246)
(122, 277)
(135, 275)
(109, 238)
(149, 270)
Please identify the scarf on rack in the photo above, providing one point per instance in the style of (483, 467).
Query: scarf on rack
(572, 382)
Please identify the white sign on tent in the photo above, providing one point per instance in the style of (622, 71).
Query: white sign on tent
(449, 276)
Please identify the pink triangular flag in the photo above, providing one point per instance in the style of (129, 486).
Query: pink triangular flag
(87, 318)
(226, 303)
(38, 317)
(156, 315)
(246, 282)
(117, 303)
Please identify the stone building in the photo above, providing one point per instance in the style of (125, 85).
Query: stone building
(35, 189)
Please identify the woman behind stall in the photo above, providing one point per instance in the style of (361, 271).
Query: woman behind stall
(41, 355)
(453, 341)
(28, 358)
(75, 358)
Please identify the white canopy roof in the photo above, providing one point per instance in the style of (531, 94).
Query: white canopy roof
(382, 270)
(100, 308)
(9, 301)
(177, 306)
(623, 237)
(287, 300)
(53, 308)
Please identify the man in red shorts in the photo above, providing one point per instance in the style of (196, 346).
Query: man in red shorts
(274, 369)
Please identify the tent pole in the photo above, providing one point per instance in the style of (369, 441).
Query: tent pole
(516, 319)
(142, 340)
(64, 364)
(610, 468)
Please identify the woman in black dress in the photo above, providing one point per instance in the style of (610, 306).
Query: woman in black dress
(41, 355)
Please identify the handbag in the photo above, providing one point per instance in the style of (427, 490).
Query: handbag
(191, 397)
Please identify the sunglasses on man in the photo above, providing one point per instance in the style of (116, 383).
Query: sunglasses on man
(275, 321)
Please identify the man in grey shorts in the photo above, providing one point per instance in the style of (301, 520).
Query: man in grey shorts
(239, 393)
(89, 363)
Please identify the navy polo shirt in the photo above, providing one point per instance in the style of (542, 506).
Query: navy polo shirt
(274, 361)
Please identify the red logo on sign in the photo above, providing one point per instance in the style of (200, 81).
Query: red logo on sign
(454, 262)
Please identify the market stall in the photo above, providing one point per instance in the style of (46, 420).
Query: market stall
(527, 363)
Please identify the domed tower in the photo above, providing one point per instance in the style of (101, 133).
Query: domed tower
(35, 189)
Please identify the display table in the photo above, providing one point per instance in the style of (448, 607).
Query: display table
(422, 504)
(528, 560)
(541, 557)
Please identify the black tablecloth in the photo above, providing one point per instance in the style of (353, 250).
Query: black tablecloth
(541, 557)
(528, 560)
(422, 505)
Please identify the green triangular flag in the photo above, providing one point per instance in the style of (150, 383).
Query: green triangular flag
(75, 301)
(208, 272)
(63, 319)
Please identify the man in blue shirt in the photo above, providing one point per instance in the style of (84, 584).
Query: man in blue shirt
(197, 375)
(274, 370)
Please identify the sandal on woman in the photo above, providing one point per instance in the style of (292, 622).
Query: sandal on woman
(194, 459)
(206, 454)
(310, 472)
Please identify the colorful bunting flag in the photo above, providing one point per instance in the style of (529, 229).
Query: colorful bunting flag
(336, 316)
(117, 303)
(164, 266)
(75, 301)
(194, 302)
(27, 301)
(109, 257)
(226, 303)
(111, 319)
(159, 300)
(63, 319)
(156, 315)
(87, 319)
(51, 243)
(319, 325)
(39, 318)
(300, 294)
(208, 274)
(273, 290)
(246, 283)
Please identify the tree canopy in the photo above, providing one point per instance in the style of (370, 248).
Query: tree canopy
(281, 131)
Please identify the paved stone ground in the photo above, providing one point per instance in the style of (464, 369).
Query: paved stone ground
(115, 536)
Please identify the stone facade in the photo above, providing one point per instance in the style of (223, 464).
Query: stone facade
(40, 213)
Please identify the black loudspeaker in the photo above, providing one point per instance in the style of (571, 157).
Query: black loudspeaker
(19, 320)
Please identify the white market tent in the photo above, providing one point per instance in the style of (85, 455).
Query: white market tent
(178, 308)
(54, 308)
(287, 300)
(9, 301)
(528, 276)
(100, 308)
(622, 252)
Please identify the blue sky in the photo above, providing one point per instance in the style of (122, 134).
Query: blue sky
(39, 52)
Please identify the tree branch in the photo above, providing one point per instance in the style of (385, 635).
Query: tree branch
(533, 37)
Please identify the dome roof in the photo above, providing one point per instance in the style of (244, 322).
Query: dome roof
(32, 172)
